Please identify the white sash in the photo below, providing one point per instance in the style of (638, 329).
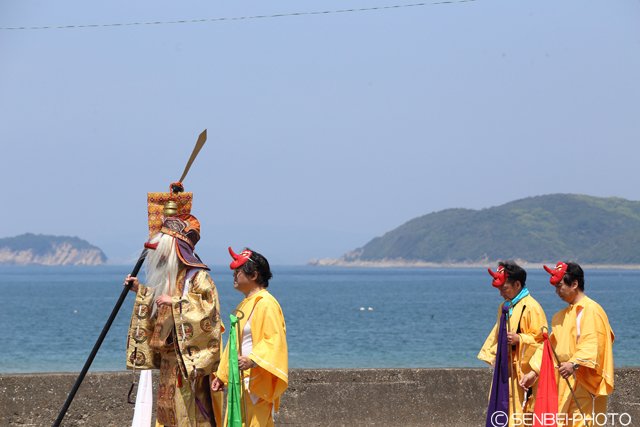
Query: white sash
(144, 400)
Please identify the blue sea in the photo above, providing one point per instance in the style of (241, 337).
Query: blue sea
(336, 317)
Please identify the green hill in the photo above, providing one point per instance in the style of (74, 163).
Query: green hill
(32, 249)
(585, 229)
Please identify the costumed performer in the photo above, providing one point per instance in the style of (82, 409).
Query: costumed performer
(264, 360)
(176, 326)
(583, 340)
(521, 335)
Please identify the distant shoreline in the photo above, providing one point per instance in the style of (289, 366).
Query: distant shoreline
(386, 263)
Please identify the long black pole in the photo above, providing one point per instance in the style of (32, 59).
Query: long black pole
(96, 347)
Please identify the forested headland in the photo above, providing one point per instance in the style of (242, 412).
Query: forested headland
(542, 229)
(40, 249)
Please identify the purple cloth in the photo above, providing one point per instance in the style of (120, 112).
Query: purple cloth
(188, 256)
(499, 401)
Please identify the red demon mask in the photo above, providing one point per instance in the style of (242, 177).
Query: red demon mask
(238, 260)
(499, 277)
(557, 274)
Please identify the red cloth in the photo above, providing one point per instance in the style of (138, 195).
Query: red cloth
(547, 397)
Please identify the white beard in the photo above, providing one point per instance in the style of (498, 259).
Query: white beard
(162, 267)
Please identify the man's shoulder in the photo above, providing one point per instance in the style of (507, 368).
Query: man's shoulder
(592, 307)
(588, 302)
(531, 302)
(203, 278)
(267, 301)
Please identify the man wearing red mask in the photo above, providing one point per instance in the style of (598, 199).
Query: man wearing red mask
(583, 340)
(262, 346)
(518, 331)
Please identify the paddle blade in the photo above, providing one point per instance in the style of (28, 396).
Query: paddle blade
(201, 140)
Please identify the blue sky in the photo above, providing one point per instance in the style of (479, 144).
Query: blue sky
(324, 130)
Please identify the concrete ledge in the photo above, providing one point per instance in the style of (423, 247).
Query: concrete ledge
(364, 397)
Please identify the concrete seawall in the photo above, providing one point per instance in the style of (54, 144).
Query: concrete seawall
(356, 397)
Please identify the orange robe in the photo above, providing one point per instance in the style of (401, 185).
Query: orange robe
(592, 351)
(269, 335)
(532, 318)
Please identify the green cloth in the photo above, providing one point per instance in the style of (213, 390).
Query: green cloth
(234, 414)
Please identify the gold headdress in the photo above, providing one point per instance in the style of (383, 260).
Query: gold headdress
(164, 205)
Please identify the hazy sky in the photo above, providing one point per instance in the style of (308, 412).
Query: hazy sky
(324, 130)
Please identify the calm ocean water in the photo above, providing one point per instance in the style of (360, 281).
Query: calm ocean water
(52, 316)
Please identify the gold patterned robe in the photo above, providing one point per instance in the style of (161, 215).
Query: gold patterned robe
(183, 341)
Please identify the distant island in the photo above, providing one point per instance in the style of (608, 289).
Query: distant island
(592, 231)
(32, 249)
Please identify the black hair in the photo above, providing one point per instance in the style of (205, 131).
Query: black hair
(514, 272)
(257, 264)
(574, 272)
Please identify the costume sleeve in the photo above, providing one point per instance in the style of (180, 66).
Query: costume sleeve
(593, 351)
(223, 368)
(268, 331)
(490, 347)
(531, 338)
(140, 332)
(590, 342)
(198, 326)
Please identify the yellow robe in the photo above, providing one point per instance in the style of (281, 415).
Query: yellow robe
(269, 335)
(593, 352)
(191, 331)
(532, 319)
